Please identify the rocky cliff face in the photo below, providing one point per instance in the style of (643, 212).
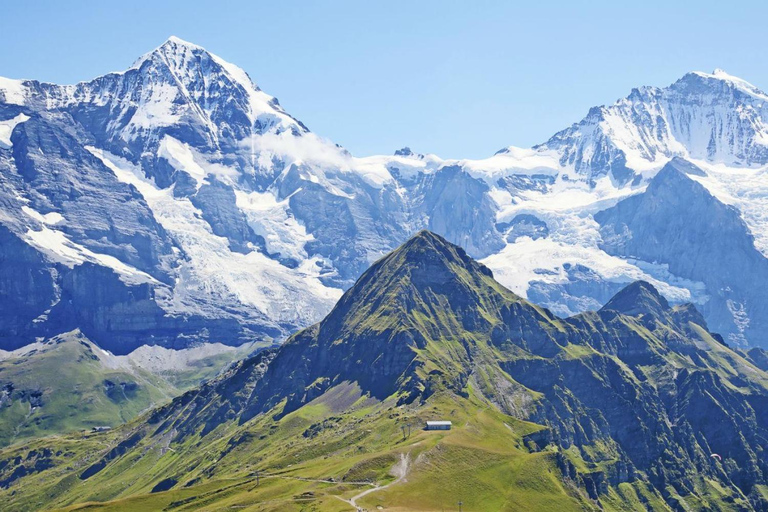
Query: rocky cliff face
(181, 175)
(673, 222)
(638, 393)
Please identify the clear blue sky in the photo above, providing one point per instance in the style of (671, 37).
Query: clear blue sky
(460, 79)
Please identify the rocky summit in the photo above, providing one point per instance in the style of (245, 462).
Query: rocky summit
(637, 406)
(175, 203)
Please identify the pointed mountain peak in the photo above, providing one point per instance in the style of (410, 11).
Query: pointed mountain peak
(675, 177)
(425, 272)
(177, 41)
(428, 248)
(638, 298)
(427, 304)
(697, 82)
(682, 165)
(220, 91)
(172, 50)
(428, 237)
(180, 56)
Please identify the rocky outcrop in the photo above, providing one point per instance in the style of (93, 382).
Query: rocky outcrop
(677, 222)
(27, 289)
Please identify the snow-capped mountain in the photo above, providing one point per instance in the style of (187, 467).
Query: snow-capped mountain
(714, 117)
(176, 202)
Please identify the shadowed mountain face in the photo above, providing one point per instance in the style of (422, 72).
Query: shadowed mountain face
(638, 397)
(676, 221)
(639, 298)
(201, 212)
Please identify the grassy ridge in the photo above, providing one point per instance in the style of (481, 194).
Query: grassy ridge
(483, 462)
(616, 410)
(67, 384)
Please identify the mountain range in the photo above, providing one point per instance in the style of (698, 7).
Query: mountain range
(636, 406)
(176, 203)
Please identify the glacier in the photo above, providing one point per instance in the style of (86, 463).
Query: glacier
(176, 203)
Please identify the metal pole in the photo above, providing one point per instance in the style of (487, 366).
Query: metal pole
(460, 504)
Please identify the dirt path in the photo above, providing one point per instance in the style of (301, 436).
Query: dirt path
(400, 470)
(314, 480)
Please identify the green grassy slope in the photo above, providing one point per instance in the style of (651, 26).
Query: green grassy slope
(616, 410)
(64, 386)
(68, 384)
(316, 458)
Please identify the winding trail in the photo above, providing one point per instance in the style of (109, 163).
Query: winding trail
(400, 470)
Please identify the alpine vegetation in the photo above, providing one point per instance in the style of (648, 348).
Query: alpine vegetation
(636, 406)
(204, 305)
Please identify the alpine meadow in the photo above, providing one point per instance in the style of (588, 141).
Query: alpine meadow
(206, 306)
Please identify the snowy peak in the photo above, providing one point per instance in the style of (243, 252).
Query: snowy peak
(220, 93)
(178, 89)
(173, 49)
(717, 81)
(714, 117)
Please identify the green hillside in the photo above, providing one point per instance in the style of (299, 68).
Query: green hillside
(67, 384)
(633, 407)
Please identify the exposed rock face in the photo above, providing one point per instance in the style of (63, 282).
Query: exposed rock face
(62, 177)
(676, 221)
(182, 175)
(218, 205)
(459, 208)
(524, 225)
(639, 392)
(27, 289)
(640, 389)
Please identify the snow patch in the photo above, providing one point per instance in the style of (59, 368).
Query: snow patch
(212, 269)
(272, 220)
(51, 218)
(182, 157)
(158, 110)
(13, 91)
(60, 249)
(6, 129)
(514, 161)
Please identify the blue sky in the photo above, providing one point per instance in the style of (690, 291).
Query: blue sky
(460, 79)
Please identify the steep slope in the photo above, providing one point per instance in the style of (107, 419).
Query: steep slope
(185, 181)
(106, 181)
(67, 383)
(636, 406)
(672, 223)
